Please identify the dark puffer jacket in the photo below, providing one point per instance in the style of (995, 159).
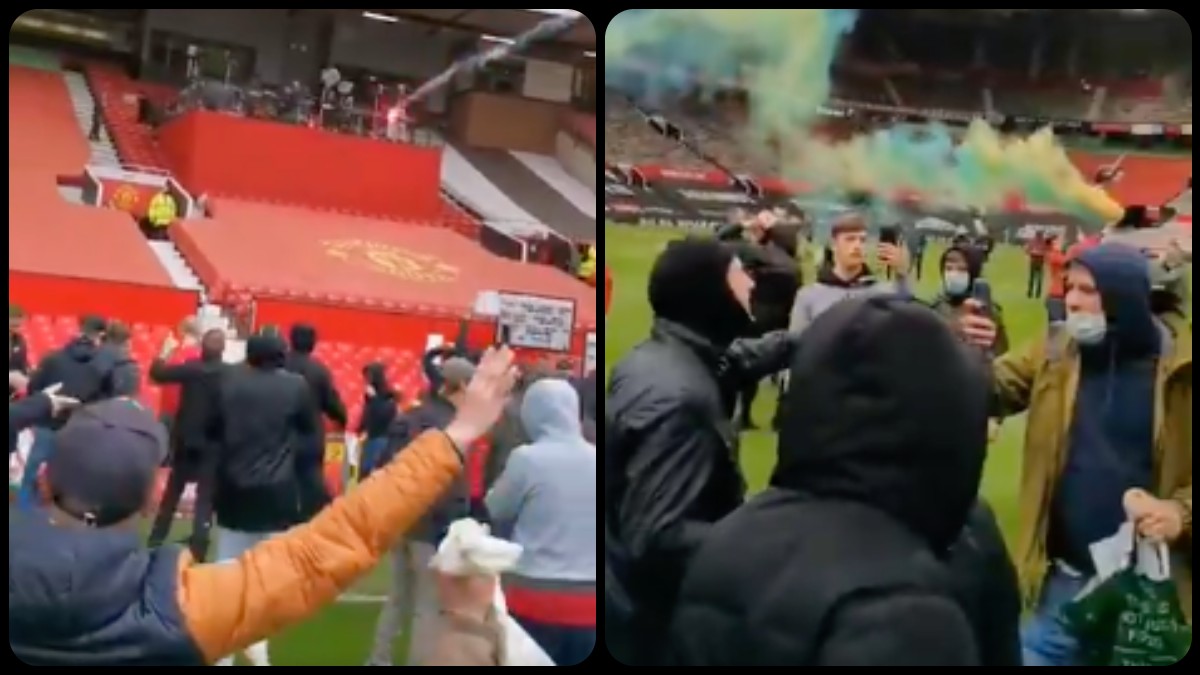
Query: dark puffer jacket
(93, 598)
(880, 458)
(267, 427)
(985, 582)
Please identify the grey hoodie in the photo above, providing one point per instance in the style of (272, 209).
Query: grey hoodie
(546, 496)
(812, 301)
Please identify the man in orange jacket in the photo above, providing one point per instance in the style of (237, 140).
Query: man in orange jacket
(81, 558)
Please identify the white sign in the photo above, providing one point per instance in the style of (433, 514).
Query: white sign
(535, 322)
(589, 355)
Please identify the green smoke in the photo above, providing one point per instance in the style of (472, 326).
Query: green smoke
(782, 58)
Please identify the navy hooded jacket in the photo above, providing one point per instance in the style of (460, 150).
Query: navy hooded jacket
(1112, 432)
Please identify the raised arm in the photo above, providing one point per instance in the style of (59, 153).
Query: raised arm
(229, 606)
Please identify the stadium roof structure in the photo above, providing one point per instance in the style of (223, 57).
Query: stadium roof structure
(498, 22)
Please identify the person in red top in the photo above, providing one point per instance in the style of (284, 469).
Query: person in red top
(1056, 290)
(189, 350)
(608, 289)
(1036, 250)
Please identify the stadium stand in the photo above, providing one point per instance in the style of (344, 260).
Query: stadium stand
(910, 66)
(118, 96)
(413, 275)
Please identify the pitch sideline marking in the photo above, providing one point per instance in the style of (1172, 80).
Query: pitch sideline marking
(361, 599)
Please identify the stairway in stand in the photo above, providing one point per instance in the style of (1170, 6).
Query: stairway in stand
(104, 153)
(211, 316)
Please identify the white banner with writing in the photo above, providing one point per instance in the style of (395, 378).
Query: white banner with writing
(536, 322)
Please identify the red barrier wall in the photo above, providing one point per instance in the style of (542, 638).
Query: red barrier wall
(365, 327)
(52, 294)
(232, 156)
(376, 328)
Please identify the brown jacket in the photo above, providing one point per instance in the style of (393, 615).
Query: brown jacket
(1043, 380)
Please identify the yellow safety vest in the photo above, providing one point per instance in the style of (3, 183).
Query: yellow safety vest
(587, 267)
(162, 210)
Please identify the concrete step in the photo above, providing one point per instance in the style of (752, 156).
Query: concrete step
(177, 269)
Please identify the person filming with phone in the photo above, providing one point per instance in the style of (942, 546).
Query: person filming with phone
(962, 280)
(847, 274)
(1108, 401)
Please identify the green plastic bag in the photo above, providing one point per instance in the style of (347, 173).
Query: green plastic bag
(1129, 620)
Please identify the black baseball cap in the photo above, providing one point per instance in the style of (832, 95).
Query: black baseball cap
(105, 461)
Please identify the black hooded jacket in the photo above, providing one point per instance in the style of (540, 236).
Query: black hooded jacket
(197, 428)
(84, 370)
(267, 424)
(837, 563)
(379, 408)
(771, 262)
(300, 361)
(126, 376)
(776, 280)
(669, 450)
(986, 586)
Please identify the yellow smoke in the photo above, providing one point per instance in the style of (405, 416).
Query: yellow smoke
(783, 59)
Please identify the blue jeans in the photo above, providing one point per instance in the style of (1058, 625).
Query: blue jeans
(43, 446)
(372, 451)
(565, 645)
(1044, 639)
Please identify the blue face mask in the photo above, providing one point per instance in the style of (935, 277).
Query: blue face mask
(1087, 329)
(956, 283)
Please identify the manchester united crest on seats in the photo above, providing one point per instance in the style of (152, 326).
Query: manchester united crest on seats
(392, 260)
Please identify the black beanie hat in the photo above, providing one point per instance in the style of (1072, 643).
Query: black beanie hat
(689, 285)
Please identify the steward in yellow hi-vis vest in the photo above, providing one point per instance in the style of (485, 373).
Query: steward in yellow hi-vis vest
(162, 212)
(587, 266)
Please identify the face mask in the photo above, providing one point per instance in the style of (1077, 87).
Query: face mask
(1087, 329)
(956, 283)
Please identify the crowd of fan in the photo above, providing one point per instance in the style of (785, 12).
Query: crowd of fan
(484, 442)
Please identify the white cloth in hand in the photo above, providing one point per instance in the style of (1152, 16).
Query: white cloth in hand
(470, 549)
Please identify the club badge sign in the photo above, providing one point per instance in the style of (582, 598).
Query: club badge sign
(392, 260)
(536, 322)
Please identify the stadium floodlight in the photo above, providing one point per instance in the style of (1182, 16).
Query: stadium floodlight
(386, 18)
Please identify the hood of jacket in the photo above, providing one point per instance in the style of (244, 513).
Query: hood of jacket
(974, 271)
(689, 286)
(1122, 276)
(82, 350)
(550, 411)
(887, 409)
